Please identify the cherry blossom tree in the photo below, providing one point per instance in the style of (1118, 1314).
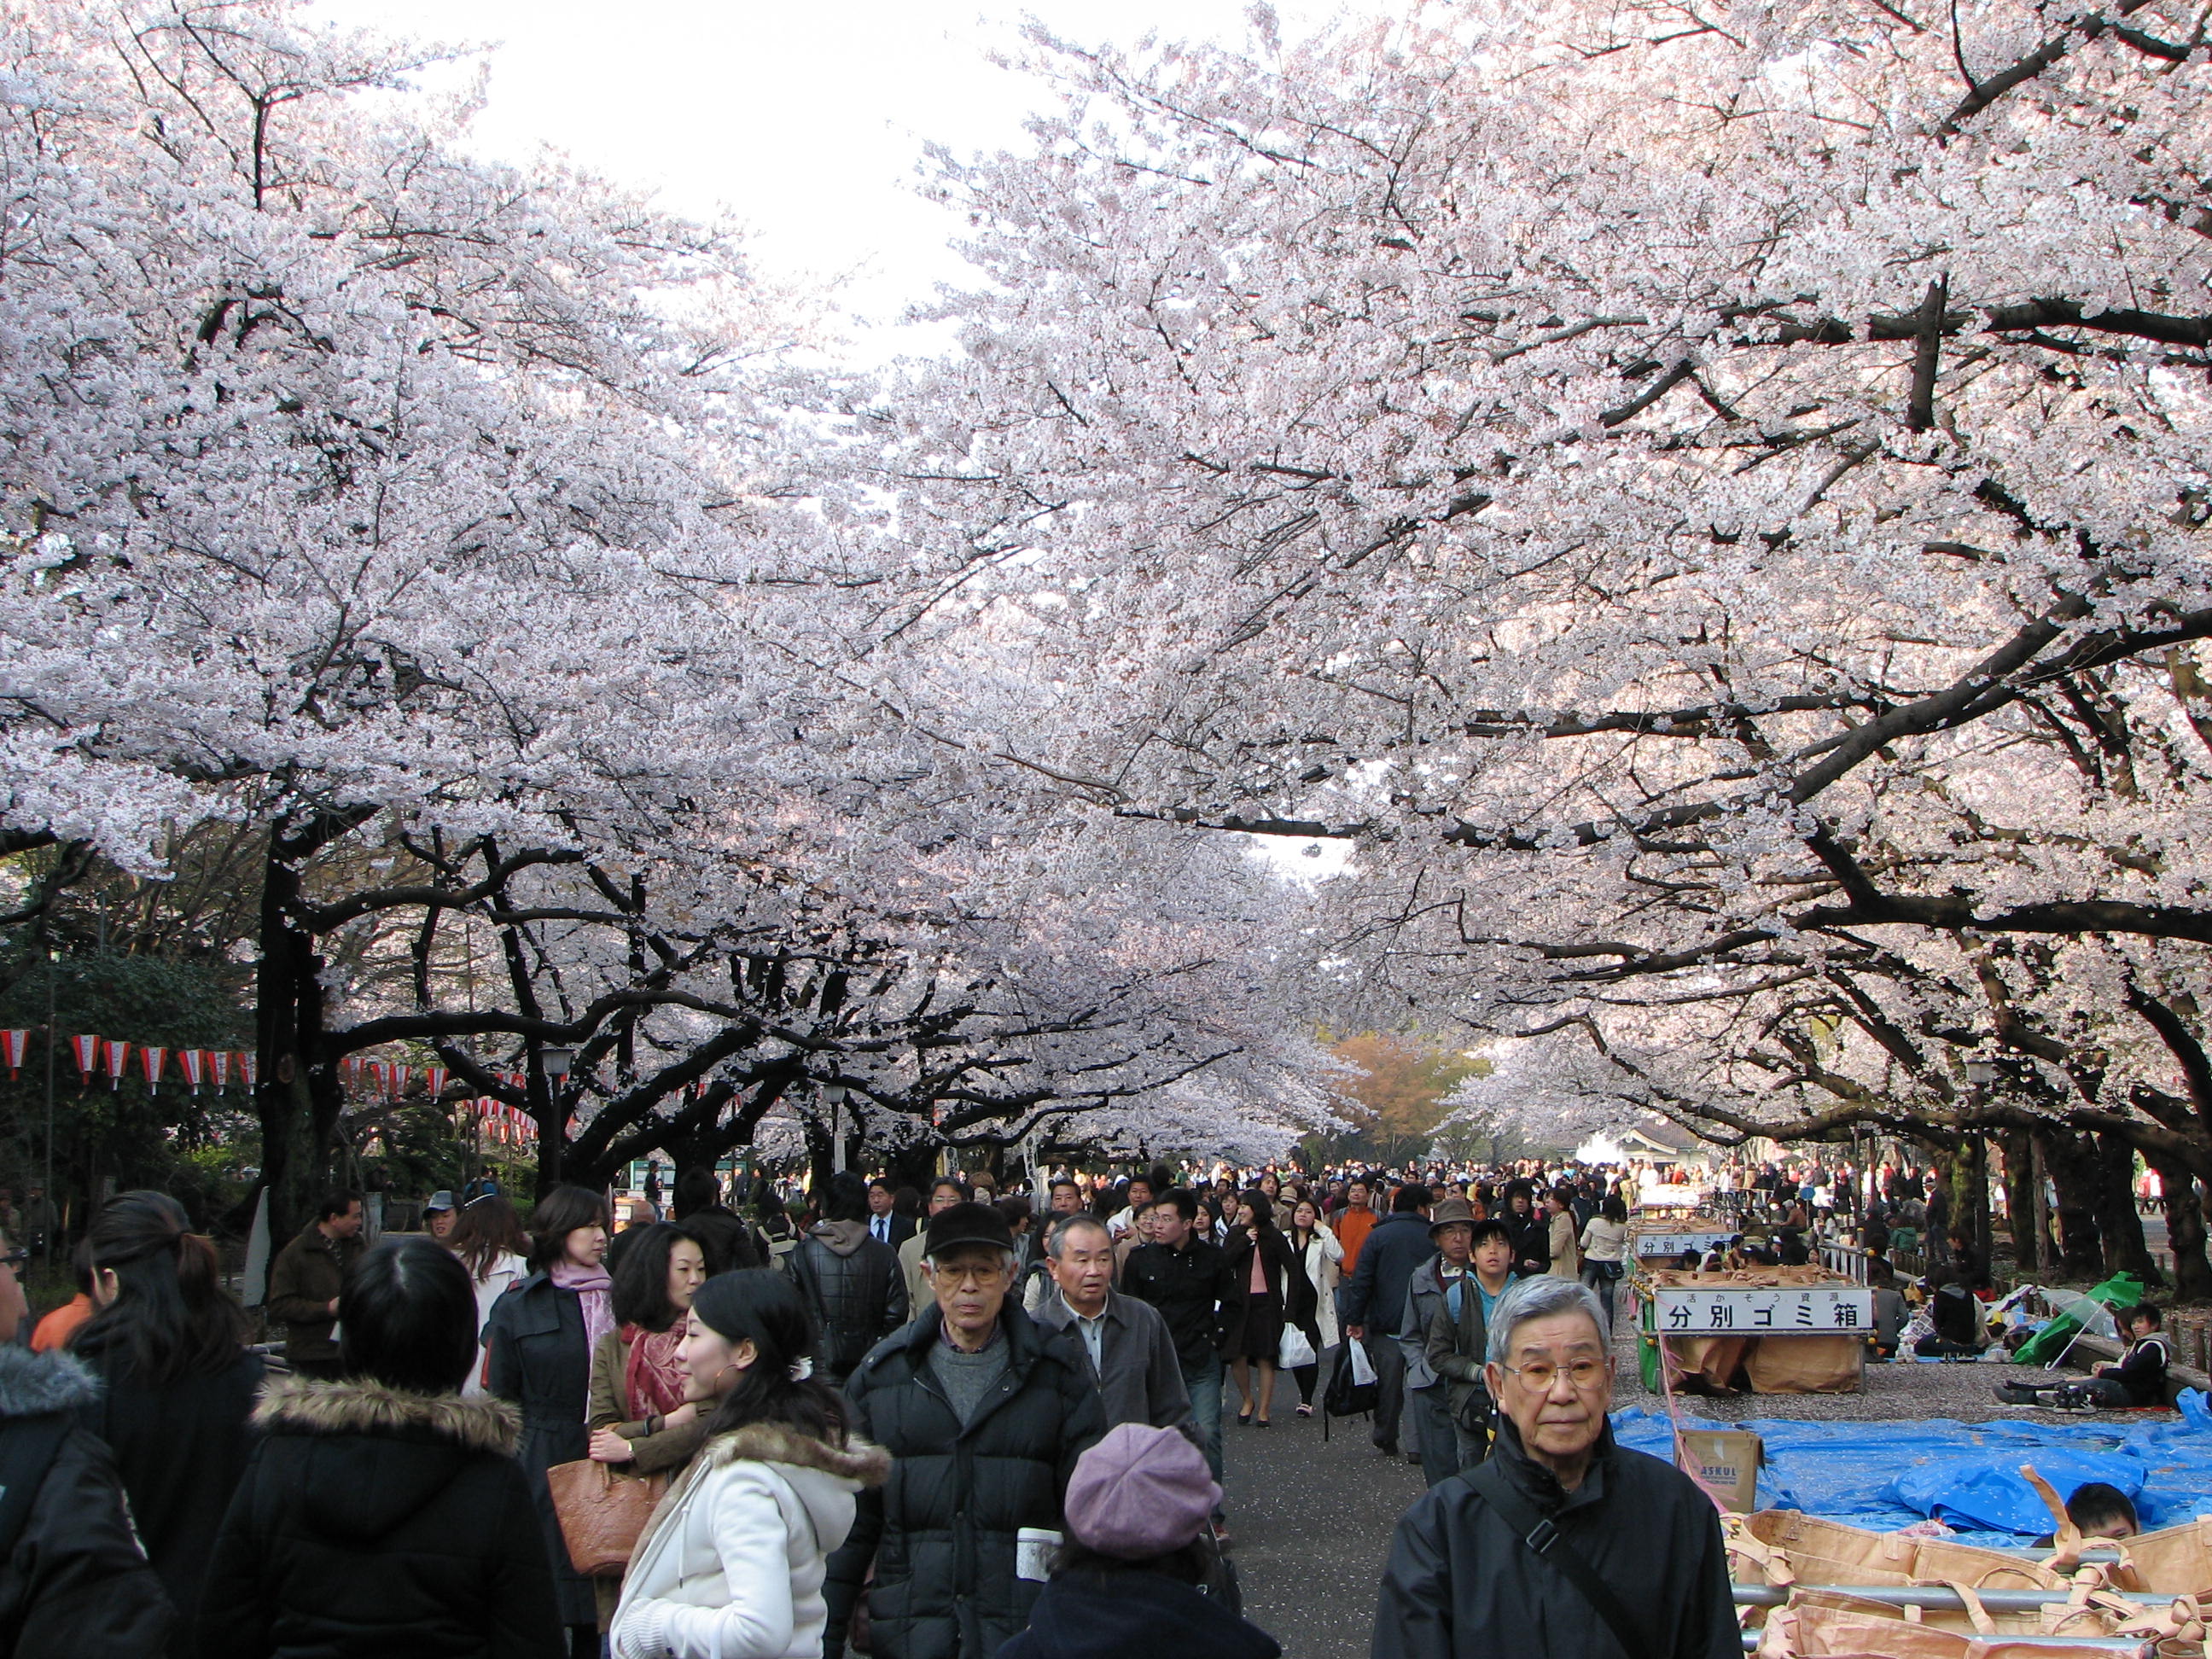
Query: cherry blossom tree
(1710, 503)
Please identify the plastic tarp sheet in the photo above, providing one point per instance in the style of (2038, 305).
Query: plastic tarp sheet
(1886, 1475)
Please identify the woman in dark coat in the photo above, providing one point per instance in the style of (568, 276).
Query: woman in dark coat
(383, 1513)
(538, 1344)
(168, 1344)
(1266, 1274)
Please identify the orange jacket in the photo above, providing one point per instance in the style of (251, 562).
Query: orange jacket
(1352, 1227)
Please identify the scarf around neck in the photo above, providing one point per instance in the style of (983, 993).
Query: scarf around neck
(592, 1287)
(651, 1376)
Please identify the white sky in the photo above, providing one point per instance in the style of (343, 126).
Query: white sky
(808, 123)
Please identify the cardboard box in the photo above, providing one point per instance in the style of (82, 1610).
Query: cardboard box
(1727, 1461)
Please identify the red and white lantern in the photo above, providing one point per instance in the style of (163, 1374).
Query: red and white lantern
(87, 1057)
(192, 1063)
(13, 1043)
(118, 1061)
(151, 1059)
(218, 1062)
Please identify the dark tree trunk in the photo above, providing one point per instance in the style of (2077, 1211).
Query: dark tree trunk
(288, 1020)
(2073, 1169)
(2125, 1249)
(2020, 1199)
(2185, 1228)
(916, 1165)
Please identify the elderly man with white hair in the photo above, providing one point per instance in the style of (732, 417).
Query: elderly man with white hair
(1564, 1544)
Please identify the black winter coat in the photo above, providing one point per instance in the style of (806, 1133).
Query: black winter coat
(1532, 1240)
(179, 1450)
(75, 1582)
(854, 1288)
(942, 1531)
(372, 1522)
(539, 1360)
(1399, 1244)
(1094, 1614)
(1192, 1289)
(1460, 1581)
(1252, 1325)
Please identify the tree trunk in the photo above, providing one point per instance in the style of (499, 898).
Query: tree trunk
(2020, 1199)
(916, 1165)
(2073, 1169)
(2184, 1229)
(288, 1016)
(2125, 1249)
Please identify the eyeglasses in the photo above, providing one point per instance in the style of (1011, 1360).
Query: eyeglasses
(1541, 1373)
(15, 1259)
(967, 1273)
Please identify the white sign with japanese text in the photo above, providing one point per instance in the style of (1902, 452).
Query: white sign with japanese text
(1792, 1310)
(1670, 1245)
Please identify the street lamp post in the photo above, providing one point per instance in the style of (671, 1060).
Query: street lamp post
(832, 1093)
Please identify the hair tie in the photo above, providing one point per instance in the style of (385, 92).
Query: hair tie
(802, 1369)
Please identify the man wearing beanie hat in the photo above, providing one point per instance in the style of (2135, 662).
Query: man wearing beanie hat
(1137, 1561)
(984, 1413)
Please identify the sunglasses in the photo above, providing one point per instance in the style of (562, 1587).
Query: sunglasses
(13, 1258)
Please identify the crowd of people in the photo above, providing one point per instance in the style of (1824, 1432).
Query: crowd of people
(949, 1425)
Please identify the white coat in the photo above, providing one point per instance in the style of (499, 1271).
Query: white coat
(1324, 1260)
(506, 1272)
(731, 1564)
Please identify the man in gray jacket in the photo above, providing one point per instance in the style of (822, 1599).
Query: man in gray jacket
(1124, 1342)
(1451, 1228)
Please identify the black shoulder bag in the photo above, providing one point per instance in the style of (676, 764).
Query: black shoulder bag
(1545, 1540)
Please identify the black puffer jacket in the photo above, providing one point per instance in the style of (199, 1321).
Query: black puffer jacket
(942, 1532)
(75, 1582)
(374, 1521)
(854, 1289)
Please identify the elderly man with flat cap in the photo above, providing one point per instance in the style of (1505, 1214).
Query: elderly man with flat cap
(984, 1413)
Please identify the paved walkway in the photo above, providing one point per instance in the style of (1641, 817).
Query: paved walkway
(1310, 1524)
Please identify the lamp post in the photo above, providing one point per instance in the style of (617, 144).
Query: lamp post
(833, 1095)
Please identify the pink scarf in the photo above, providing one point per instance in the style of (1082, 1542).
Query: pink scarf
(652, 1377)
(592, 1286)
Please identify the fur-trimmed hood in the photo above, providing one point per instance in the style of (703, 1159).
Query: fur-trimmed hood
(304, 1405)
(366, 1458)
(857, 1460)
(35, 1384)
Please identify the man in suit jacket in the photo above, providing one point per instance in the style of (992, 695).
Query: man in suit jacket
(885, 1225)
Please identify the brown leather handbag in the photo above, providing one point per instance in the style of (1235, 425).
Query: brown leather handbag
(603, 1512)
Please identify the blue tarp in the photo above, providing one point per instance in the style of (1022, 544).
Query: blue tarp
(1883, 1475)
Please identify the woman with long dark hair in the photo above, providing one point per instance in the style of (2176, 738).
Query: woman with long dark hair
(1265, 1274)
(1312, 1306)
(539, 1349)
(732, 1564)
(489, 1241)
(169, 1344)
(383, 1513)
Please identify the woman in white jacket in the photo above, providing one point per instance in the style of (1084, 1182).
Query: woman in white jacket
(1321, 1254)
(491, 1244)
(731, 1564)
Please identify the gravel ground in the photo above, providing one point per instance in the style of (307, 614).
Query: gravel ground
(1911, 1390)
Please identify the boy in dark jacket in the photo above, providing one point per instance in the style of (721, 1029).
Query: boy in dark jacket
(984, 1416)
